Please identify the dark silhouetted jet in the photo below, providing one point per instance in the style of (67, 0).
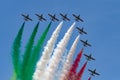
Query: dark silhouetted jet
(93, 72)
(81, 30)
(26, 17)
(85, 43)
(40, 17)
(64, 17)
(89, 57)
(77, 18)
(53, 18)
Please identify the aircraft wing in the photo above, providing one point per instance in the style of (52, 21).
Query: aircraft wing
(79, 29)
(37, 15)
(90, 70)
(29, 19)
(44, 19)
(51, 15)
(82, 41)
(56, 19)
(62, 15)
(81, 20)
(86, 55)
(84, 32)
(97, 73)
(92, 58)
(74, 15)
(23, 15)
(68, 19)
(89, 44)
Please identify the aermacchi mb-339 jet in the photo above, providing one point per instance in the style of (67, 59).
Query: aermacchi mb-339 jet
(77, 18)
(81, 30)
(40, 17)
(85, 43)
(93, 72)
(64, 17)
(53, 18)
(89, 57)
(26, 17)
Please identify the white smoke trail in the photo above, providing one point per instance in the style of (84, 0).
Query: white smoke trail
(68, 61)
(42, 63)
(60, 66)
(58, 51)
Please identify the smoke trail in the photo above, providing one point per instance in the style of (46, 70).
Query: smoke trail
(16, 53)
(60, 66)
(46, 54)
(28, 52)
(67, 64)
(72, 72)
(54, 61)
(89, 78)
(14, 77)
(36, 53)
(76, 62)
(80, 73)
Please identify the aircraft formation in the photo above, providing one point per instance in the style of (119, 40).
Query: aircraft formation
(53, 17)
(88, 57)
(80, 30)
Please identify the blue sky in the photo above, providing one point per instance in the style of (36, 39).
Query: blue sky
(101, 22)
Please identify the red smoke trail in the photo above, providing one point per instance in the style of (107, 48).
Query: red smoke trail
(89, 78)
(80, 73)
(72, 72)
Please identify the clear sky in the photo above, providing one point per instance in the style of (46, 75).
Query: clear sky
(102, 22)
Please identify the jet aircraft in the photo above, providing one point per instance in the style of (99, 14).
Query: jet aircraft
(77, 18)
(93, 72)
(40, 17)
(64, 17)
(26, 17)
(53, 18)
(81, 30)
(89, 57)
(85, 43)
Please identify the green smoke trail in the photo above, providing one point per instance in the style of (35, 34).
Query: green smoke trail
(16, 53)
(28, 51)
(14, 77)
(36, 53)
